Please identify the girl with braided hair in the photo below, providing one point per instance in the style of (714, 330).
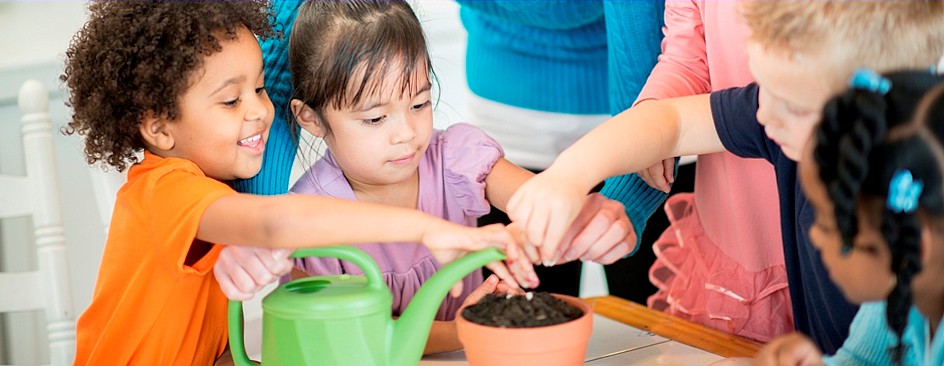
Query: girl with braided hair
(875, 176)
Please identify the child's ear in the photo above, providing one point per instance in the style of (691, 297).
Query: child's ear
(307, 118)
(155, 133)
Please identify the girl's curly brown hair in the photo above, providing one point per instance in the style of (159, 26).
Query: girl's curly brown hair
(133, 59)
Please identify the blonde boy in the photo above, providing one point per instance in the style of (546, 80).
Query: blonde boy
(801, 53)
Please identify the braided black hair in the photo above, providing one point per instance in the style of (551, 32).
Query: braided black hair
(864, 139)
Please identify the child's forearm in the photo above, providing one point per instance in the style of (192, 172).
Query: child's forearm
(503, 181)
(442, 338)
(293, 221)
(639, 137)
(626, 143)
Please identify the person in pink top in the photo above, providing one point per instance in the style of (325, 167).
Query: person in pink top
(720, 262)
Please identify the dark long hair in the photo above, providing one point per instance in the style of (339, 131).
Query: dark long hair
(338, 49)
(865, 138)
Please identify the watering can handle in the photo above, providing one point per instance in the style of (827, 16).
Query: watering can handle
(351, 254)
(237, 348)
(345, 252)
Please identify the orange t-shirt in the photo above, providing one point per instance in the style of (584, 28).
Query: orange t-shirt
(149, 307)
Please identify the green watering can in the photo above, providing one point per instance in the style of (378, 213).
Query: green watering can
(345, 320)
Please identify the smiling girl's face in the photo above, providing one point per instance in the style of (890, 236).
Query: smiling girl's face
(224, 116)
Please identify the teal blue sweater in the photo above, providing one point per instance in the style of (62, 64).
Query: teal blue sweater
(280, 149)
(574, 57)
(603, 50)
(633, 52)
(539, 55)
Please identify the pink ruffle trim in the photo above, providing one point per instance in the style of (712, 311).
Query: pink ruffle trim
(698, 282)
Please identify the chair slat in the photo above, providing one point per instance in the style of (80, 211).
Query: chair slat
(15, 196)
(37, 195)
(21, 291)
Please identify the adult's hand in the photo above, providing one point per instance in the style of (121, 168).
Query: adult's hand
(601, 233)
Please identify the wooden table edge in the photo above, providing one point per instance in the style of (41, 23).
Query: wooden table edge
(711, 340)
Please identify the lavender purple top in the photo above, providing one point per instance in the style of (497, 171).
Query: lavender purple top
(452, 186)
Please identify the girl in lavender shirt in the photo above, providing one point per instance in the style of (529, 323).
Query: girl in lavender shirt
(361, 79)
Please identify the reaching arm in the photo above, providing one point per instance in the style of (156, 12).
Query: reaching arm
(296, 221)
(639, 137)
(628, 142)
(503, 181)
(603, 232)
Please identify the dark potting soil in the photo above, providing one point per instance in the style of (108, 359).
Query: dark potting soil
(518, 312)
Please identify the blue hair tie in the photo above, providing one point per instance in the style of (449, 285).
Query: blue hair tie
(869, 80)
(903, 192)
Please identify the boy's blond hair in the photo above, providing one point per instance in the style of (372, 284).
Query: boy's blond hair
(882, 35)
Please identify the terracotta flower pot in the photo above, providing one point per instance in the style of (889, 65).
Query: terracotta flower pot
(553, 345)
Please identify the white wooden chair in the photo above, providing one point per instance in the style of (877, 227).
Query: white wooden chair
(37, 195)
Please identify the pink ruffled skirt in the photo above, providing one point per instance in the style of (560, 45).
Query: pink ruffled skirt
(696, 281)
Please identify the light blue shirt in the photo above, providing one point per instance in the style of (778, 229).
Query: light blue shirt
(870, 340)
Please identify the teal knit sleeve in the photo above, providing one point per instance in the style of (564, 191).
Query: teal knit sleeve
(279, 154)
(639, 198)
(634, 42)
(634, 37)
(539, 14)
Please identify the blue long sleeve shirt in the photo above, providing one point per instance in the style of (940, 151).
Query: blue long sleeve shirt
(870, 340)
(279, 155)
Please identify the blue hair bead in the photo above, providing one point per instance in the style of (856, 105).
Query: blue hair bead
(904, 192)
(869, 80)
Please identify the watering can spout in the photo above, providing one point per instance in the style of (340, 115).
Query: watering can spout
(411, 330)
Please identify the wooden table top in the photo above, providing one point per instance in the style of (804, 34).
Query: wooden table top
(679, 330)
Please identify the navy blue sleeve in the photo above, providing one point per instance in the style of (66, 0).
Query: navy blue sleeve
(735, 114)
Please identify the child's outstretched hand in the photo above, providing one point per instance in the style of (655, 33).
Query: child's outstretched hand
(242, 271)
(545, 206)
(790, 350)
(448, 241)
(491, 285)
(660, 175)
